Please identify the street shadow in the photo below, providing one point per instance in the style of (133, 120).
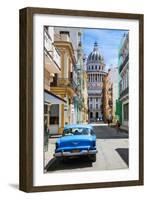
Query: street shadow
(108, 132)
(56, 164)
(124, 153)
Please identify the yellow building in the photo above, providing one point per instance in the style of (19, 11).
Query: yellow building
(107, 97)
(85, 93)
(79, 74)
(63, 83)
(82, 86)
(85, 98)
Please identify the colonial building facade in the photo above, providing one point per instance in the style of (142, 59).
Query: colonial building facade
(95, 73)
(64, 84)
(110, 92)
(124, 79)
(70, 84)
(107, 97)
(52, 66)
(79, 75)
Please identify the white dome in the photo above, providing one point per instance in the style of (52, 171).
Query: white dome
(95, 56)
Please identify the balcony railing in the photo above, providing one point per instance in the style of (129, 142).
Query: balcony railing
(124, 63)
(64, 82)
(124, 92)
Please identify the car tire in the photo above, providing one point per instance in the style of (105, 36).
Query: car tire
(64, 160)
(93, 157)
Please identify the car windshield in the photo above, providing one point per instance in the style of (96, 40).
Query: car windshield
(77, 131)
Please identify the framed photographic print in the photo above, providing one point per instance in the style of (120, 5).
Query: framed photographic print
(81, 99)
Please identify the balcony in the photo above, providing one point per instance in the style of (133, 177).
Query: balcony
(122, 65)
(124, 92)
(64, 82)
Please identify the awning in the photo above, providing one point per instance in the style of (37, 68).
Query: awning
(51, 98)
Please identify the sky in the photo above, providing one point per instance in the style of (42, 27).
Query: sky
(108, 43)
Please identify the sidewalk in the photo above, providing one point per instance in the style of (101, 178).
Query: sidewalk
(49, 155)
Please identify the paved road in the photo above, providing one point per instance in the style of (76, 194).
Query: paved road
(112, 153)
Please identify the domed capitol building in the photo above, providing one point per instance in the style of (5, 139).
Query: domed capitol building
(95, 73)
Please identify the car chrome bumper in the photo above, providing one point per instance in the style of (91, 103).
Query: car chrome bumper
(68, 153)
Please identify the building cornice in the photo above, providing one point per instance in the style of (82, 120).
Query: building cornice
(66, 45)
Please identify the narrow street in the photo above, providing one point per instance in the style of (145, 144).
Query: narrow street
(112, 153)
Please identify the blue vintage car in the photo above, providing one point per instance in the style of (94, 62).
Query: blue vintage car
(77, 140)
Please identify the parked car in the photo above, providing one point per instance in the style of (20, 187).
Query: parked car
(77, 140)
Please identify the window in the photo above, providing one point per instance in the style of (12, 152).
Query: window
(126, 112)
(92, 132)
(92, 67)
(65, 32)
(76, 131)
(90, 106)
(96, 106)
(97, 115)
(54, 120)
(54, 114)
(96, 67)
(97, 99)
(91, 114)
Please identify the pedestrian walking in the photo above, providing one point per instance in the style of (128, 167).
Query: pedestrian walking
(117, 126)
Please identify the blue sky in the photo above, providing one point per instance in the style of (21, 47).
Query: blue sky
(108, 43)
